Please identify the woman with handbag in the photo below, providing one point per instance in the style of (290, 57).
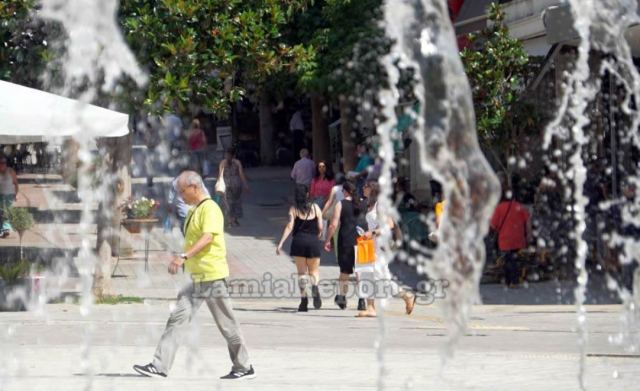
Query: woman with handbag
(345, 215)
(380, 272)
(305, 224)
(231, 171)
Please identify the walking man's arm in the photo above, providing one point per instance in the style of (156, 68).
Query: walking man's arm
(178, 260)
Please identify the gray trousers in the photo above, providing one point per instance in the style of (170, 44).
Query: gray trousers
(216, 295)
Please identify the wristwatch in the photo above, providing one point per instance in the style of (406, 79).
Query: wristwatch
(183, 256)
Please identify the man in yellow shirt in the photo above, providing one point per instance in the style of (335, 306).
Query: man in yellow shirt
(205, 258)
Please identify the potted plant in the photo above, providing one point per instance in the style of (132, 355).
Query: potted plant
(138, 209)
(21, 221)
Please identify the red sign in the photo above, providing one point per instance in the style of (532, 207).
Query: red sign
(454, 8)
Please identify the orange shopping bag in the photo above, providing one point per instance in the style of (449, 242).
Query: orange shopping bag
(365, 252)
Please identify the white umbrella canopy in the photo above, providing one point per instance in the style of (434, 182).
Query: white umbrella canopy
(29, 115)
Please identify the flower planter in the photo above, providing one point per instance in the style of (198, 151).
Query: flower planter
(132, 227)
(135, 226)
(136, 211)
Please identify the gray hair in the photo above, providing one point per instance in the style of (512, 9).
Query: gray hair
(304, 152)
(191, 178)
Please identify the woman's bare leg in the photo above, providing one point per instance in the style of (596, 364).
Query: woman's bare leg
(313, 266)
(301, 266)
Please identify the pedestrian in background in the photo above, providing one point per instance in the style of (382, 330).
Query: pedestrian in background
(305, 225)
(153, 142)
(8, 193)
(335, 196)
(322, 183)
(345, 215)
(197, 144)
(361, 171)
(235, 181)
(296, 126)
(380, 270)
(512, 225)
(173, 126)
(304, 169)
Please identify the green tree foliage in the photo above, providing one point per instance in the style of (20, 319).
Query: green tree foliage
(28, 45)
(208, 52)
(496, 66)
(17, 43)
(347, 41)
(20, 219)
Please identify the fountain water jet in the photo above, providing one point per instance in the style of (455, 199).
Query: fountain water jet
(96, 58)
(601, 25)
(448, 149)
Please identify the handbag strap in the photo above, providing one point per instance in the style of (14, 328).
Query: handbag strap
(222, 171)
(186, 226)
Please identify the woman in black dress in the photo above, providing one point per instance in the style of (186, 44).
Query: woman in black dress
(346, 214)
(305, 225)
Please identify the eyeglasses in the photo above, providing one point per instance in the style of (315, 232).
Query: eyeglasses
(181, 190)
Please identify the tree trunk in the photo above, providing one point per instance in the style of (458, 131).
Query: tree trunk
(117, 159)
(70, 162)
(319, 129)
(349, 157)
(267, 149)
(233, 122)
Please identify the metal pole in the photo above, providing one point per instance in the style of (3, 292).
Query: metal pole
(614, 141)
(146, 248)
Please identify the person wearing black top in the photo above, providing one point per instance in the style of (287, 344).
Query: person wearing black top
(305, 225)
(346, 214)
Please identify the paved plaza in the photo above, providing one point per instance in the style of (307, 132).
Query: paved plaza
(531, 348)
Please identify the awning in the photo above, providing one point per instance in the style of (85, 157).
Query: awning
(30, 115)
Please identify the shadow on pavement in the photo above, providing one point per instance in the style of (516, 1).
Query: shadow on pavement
(112, 375)
(48, 257)
(39, 180)
(277, 309)
(58, 216)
